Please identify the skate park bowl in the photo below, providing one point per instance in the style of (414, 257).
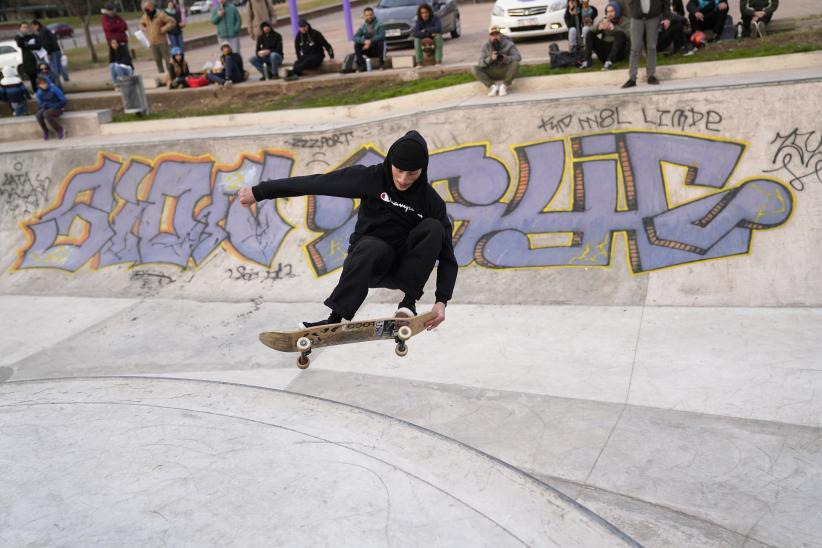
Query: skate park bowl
(631, 356)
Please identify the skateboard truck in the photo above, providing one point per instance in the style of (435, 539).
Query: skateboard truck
(403, 334)
(304, 346)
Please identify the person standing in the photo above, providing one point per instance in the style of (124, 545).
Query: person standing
(499, 60)
(228, 21)
(28, 43)
(310, 46)
(269, 52)
(175, 35)
(646, 16)
(51, 103)
(55, 55)
(116, 30)
(156, 25)
(259, 12)
(402, 233)
(369, 39)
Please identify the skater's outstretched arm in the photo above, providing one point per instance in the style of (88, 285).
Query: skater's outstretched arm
(349, 182)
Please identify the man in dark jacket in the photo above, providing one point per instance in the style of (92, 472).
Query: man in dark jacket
(115, 28)
(269, 52)
(402, 229)
(28, 43)
(708, 15)
(49, 43)
(756, 14)
(646, 16)
(673, 32)
(310, 46)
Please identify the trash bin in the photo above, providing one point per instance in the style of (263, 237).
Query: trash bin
(133, 94)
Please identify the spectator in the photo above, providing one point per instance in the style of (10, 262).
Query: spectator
(369, 39)
(579, 18)
(229, 69)
(228, 21)
(610, 39)
(156, 25)
(708, 15)
(672, 31)
(116, 30)
(55, 55)
(175, 35)
(646, 17)
(427, 27)
(121, 65)
(44, 70)
(499, 60)
(311, 46)
(756, 14)
(259, 12)
(177, 70)
(14, 92)
(51, 103)
(269, 52)
(28, 43)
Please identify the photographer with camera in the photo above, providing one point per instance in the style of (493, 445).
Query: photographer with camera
(499, 60)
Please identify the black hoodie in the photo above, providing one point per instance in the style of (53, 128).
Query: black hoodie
(385, 212)
(312, 43)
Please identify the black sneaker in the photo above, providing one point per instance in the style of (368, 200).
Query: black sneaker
(629, 84)
(653, 80)
(406, 309)
(331, 319)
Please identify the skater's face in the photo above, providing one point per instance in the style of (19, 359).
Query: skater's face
(404, 179)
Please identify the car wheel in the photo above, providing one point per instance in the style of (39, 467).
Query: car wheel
(457, 29)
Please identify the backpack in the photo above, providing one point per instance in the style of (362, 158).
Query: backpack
(562, 59)
(348, 64)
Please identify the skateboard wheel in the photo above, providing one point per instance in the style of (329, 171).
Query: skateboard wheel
(401, 350)
(303, 344)
(404, 333)
(303, 362)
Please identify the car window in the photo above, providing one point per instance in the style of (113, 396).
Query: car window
(7, 49)
(398, 3)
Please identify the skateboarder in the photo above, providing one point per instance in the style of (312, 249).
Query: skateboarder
(402, 229)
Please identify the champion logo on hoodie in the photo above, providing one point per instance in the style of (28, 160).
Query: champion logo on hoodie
(386, 198)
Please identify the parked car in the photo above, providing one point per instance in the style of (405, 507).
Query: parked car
(525, 18)
(200, 6)
(61, 30)
(399, 16)
(10, 54)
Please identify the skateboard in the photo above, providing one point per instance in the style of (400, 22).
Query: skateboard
(304, 340)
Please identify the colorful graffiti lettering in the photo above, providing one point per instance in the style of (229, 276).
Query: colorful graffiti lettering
(180, 209)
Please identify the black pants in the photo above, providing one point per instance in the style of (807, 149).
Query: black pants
(674, 34)
(309, 61)
(746, 23)
(372, 262)
(606, 51)
(713, 21)
(375, 50)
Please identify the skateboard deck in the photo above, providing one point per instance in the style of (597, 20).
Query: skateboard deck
(304, 340)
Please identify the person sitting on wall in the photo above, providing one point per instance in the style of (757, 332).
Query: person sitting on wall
(230, 68)
(369, 40)
(178, 70)
(14, 92)
(499, 60)
(610, 41)
(51, 103)
(672, 32)
(43, 69)
(121, 65)
(269, 52)
(427, 28)
(756, 14)
(579, 18)
(310, 46)
(708, 15)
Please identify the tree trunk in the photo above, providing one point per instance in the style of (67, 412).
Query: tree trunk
(86, 19)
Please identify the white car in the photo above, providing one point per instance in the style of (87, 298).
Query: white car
(10, 54)
(201, 6)
(525, 18)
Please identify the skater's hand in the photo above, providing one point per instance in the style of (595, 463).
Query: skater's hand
(439, 308)
(245, 196)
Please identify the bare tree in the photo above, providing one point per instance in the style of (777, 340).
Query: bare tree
(85, 9)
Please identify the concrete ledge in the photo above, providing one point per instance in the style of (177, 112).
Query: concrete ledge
(76, 123)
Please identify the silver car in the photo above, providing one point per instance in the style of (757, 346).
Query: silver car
(398, 17)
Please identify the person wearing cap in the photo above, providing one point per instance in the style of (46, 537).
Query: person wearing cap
(177, 70)
(156, 25)
(55, 55)
(229, 69)
(269, 52)
(499, 60)
(115, 29)
(402, 229)
(228, 21)
(14, 92)
(310, 46)
(610, 40)
(259, 12)
(51, 103)
(646, 19)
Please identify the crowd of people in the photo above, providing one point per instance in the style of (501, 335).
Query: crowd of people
(627, 30)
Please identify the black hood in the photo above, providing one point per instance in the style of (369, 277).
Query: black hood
(414, 136)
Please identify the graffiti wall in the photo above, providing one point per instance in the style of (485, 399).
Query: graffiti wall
(580, 204)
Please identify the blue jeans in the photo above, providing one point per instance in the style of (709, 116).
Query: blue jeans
(56, 66)
(274, 60)
(176, 40)
(19, 109)
(119, 70)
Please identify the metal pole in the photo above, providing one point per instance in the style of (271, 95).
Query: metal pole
(347, 13)
(295, 17)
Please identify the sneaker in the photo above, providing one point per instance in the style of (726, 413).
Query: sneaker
(228, 84)
(502, 91)
(62, 133)
(291, 78)
(759, 29)
(653, 80)
(629, 84)
(406, 309)
(45, 135)
(585, 65)
(493, 90)
(608, 65)
(331, 319)
(263, 78)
